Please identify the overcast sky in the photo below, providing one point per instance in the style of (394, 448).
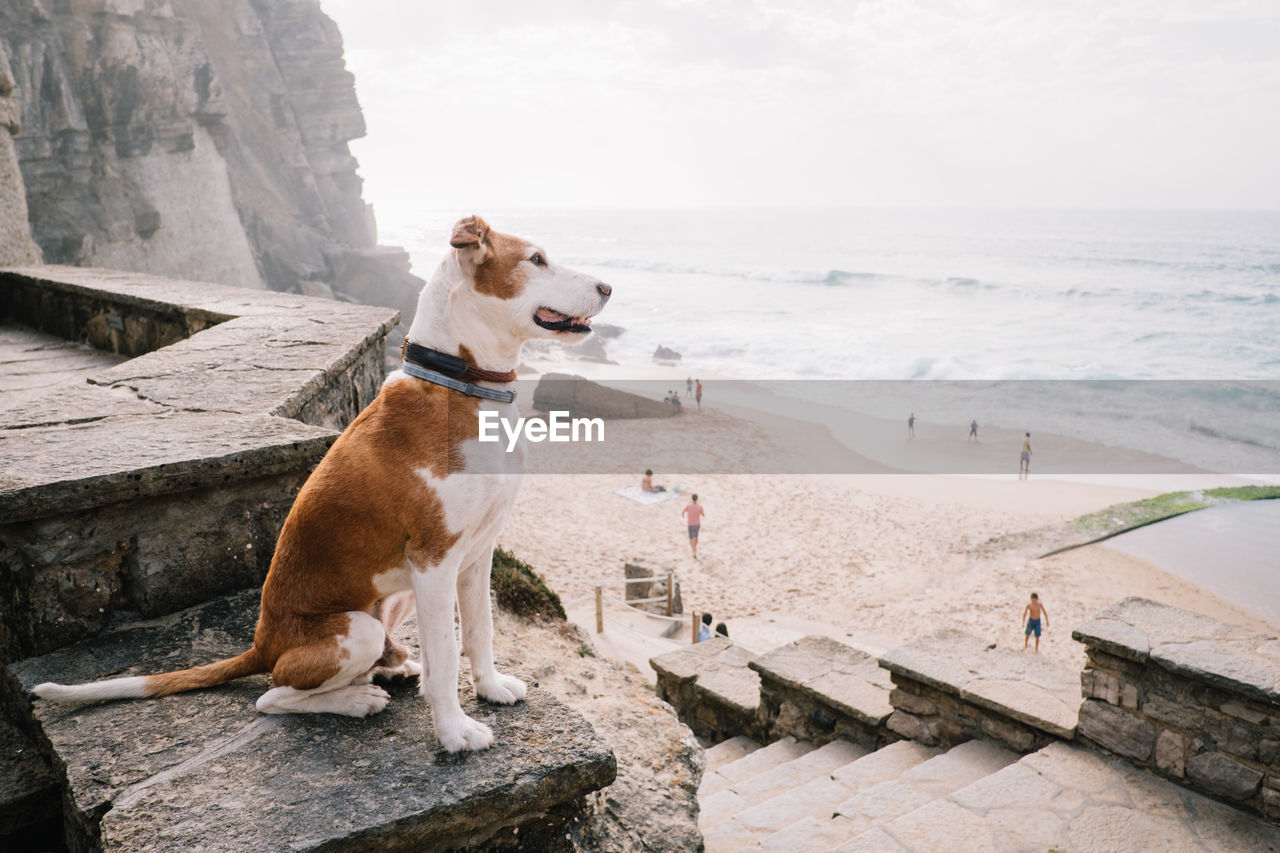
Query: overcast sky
(679, 103)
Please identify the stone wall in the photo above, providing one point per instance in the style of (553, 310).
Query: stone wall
(951, 687)
(1187, 697)
(712, 688)
(165, 479)
(819, 690)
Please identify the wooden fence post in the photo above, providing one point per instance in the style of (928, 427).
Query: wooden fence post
(671, 594)
(693, 620)
(599, 610)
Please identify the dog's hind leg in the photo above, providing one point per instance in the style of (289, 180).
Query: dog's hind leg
(396, 660)
(477, 634)
(330, 675)
(435, 590)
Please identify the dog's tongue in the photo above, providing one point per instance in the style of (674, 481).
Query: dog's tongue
(546, 315)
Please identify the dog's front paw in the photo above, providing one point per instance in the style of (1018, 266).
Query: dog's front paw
(501, 689)
(462, 732)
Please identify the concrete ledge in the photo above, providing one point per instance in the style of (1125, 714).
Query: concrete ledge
(1187, 697)
(952, 687)
(819, 690)
(1187, 643)
(165, 479)
(205, 771)
(712, 689)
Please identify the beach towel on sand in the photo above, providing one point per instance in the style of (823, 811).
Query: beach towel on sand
(639, 495)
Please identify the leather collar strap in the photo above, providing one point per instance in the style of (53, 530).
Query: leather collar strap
(468, 388)
(451, 365)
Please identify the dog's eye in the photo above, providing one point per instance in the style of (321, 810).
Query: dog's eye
(538, 260)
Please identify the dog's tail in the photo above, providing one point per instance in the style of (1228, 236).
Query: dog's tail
(147, 686)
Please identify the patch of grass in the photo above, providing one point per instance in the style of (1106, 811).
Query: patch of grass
(1245, 493)
(585, 651)
(1160, 507)
(519, 589)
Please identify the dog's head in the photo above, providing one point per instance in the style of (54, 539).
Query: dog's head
(519, 287)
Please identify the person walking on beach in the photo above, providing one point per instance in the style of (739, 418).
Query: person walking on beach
(1032, 614)
(1024, 459)
(911, 426)
(698, 396)
(693, 512)
(973, 430)
(688, 385)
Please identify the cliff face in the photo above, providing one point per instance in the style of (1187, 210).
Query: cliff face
(16, 246)
(202, 139)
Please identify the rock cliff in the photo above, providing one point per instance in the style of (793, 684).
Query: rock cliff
(204, 139)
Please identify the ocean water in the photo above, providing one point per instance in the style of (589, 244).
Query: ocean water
(982, 296)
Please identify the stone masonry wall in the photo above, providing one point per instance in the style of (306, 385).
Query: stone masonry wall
(951, 687)
(165, 479)
(818, 690)
(1187, 697)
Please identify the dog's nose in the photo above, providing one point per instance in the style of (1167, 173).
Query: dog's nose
(603, 289)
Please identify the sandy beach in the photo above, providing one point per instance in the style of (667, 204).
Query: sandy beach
(871, 559)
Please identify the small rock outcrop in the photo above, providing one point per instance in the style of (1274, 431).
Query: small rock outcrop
(665, 354)
(562, 392)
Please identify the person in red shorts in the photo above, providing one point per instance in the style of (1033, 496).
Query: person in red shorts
(693, 512)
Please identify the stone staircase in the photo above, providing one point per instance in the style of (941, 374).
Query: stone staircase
(976, 796)
(951, 743)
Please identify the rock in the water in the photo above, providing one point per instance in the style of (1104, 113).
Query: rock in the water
(608, 331)
(665, 354)
(582, 398)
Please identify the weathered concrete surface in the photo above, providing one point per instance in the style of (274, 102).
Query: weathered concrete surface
(952, 687)
(165, 478)
(586, 399)
(819, 690)
(204, 770)
(1187, 697)
(712, 689)
(1187, 643)
(1021, 686)
(33, 362)
(1064, 797)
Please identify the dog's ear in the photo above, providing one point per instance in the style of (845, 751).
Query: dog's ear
(471, 238)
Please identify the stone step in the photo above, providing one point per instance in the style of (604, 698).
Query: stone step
(818, 764)
(814, 765)
(1068, 797)
(803, 791)
(883, 765)
(730, 750)
(205, 771)
(957, 767)
(760, 761)
(816, 798)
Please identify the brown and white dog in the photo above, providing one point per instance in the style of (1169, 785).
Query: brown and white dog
(404, 508)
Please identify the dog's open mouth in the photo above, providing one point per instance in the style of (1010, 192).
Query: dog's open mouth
(557, 322)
